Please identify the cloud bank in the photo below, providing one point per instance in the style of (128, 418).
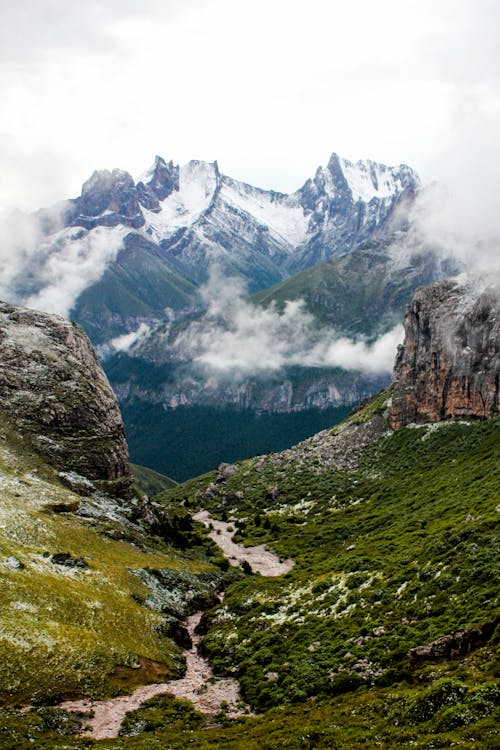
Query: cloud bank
(237, 339)
(50, 272)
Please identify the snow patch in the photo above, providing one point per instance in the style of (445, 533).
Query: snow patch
(197, 184)
(282, 214)
(368, 180)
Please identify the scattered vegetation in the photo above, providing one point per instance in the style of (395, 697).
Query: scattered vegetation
(448, 713)
(394, 555)
(74, 606)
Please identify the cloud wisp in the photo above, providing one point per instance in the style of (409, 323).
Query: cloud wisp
(123, 343)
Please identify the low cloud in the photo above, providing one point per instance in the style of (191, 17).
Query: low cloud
(49, 273)
(124, 342)
(237, 338)
(442, 221)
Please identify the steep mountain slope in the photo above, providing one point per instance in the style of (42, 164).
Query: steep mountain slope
(122, 252)
(449, 367)
(365, 292)
(348, 204)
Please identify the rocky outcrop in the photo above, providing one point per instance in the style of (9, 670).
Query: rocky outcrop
(108, 199)
(54, 393)
(449, 364)
(451, 646)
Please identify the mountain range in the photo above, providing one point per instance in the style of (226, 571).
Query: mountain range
(139, 247)
(158, 272)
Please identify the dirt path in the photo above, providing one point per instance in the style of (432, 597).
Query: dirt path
(259, 558)
(102, 719)
(199, 686)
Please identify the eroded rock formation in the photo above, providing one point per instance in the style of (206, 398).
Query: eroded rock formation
(451, 646)
(54, 393)
(449, 364)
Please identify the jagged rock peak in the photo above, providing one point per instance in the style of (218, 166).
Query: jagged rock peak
(449, 364)
(162, 178)
(367, 179)
(104, 180)
(55, 394)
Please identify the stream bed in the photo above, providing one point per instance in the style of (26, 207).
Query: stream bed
(102, 719)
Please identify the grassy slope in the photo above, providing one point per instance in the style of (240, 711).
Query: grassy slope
(351, 291)
(139, 284)
(64, 629)
(149, 481)
(394, 555)
(400, 553)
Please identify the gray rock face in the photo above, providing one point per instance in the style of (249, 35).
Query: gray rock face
(344, 217)
(449, 364)
(108, 199)
(329, 450)
(54, 393)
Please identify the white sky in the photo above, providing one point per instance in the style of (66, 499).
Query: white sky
(269, 88)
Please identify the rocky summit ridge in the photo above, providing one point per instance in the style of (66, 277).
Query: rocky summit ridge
(140, 246)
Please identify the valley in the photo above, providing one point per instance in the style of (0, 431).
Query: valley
(333, 583)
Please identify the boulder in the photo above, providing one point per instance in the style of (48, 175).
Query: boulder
(54, 393)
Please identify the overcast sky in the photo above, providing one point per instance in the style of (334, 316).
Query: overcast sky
(269, 88)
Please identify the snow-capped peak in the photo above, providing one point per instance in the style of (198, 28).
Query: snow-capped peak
(103, 179)
(198, 181)
(368, 179)
(148, 175)
(365, 179)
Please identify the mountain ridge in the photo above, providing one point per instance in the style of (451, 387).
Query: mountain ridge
(180, 220)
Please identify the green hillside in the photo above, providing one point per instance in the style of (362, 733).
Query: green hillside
(72, 606)
(362, 292)
(150, 482)
(395, 551)
(138, 285)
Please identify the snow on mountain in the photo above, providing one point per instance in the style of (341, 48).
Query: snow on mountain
(368, 180)
(168, 228)
(283, 214)
(198, 181)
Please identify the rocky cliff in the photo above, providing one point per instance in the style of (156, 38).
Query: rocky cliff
(449, 364)
(55, 394)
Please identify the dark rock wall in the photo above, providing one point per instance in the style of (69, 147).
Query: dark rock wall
(449, 364)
